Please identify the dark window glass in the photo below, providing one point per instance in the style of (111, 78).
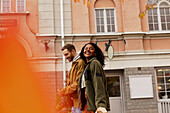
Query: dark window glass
(113, 86)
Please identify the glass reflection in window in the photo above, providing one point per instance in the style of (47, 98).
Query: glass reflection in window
(113, 86)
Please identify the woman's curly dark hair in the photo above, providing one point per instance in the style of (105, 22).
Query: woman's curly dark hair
(98, 51)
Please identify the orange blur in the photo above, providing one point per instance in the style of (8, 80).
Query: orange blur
(20, 89)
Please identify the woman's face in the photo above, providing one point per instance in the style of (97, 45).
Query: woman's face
(89, 51)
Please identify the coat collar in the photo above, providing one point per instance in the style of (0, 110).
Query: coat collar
(94, 58)
(76, 57)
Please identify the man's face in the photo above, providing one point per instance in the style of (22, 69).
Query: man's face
(68, 55)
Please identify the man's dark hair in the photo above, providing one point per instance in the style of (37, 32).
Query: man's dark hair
(69, 47)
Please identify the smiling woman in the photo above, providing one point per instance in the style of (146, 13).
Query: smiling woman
(89, 52)
(93, 83)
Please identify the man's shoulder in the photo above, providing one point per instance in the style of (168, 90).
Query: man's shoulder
(81, 61)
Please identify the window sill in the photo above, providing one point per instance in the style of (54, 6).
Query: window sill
(157, 32)
(16, 13)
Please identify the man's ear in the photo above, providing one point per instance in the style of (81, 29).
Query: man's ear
(73, 50)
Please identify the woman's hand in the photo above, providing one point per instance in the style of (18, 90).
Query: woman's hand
(101, 110)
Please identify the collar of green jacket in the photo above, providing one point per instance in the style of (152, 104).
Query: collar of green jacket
(94, 58)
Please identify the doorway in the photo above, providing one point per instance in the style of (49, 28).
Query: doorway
(114, 87)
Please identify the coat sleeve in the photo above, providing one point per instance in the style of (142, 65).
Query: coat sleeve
(73, 87)
(98, 78)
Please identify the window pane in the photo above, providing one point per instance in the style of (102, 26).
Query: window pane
(167, 10)
(168, 94)
(154, 11)
(97, 14)
(168, 87)
(22, 3)
(98, 28)
(155, 19)
(113, 28)
(162, 11)
(101, 13)
(113, 21)
(97, 21)
(102, 28)
(149, 12)
(161, 95)
(150, 19)
(150, 26)
(162, 19)
(102, 21)
(156, 26)
(167, 79)
(113, 86)
(160, 73)
(108, 13)
(168, 25)
(168, 18)
(161, 87)
(160, 80)
(163, 27)
(108, 28)
(112, 12)
(167, 73)
(108, 20)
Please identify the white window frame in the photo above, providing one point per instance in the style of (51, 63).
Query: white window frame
(2, 7)
(158, 15)
(157, 83)
(17, 6)
(105, 21)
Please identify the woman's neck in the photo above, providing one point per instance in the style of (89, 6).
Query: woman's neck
(88, 59)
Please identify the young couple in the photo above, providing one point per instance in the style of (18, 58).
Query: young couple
(86, 81)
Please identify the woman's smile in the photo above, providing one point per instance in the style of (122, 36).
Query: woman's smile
(89, 51)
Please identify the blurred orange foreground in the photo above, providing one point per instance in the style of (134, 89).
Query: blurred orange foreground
(20, 89)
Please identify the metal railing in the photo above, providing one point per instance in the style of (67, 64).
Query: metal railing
(164, 107)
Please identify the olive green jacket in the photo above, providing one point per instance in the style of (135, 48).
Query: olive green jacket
(96, 87)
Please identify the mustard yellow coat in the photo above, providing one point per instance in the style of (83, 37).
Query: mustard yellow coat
(72, 80)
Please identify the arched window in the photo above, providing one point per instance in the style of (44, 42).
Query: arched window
(105, 16)
(159, 16)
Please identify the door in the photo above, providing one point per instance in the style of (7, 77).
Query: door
(115, 95)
